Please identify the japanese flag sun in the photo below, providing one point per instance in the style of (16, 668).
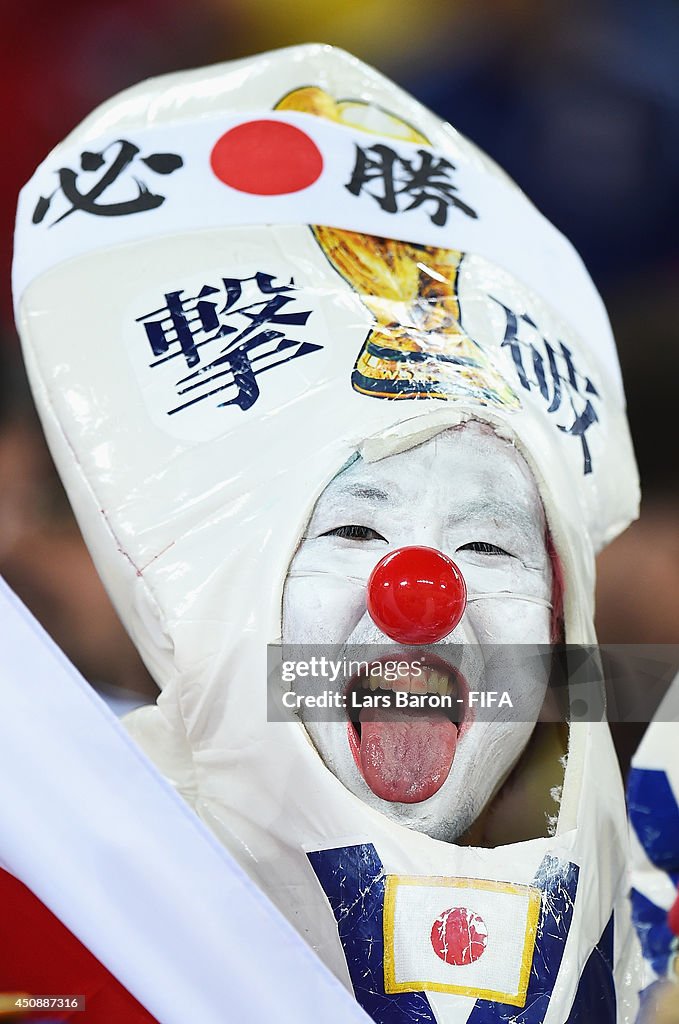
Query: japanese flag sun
(464, 936)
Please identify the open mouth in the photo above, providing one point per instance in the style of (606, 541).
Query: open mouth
(405, 753)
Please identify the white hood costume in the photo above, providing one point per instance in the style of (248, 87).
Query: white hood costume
(229, 282)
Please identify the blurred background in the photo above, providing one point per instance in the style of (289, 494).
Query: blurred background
(577, 99)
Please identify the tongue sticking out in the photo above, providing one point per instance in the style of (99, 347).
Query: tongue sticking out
(406, 754)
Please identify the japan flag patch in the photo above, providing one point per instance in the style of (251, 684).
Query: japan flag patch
(464, 936)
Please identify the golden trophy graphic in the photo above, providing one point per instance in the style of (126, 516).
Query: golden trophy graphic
(417, 347)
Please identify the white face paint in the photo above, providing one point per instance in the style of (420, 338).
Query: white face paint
(469, 494)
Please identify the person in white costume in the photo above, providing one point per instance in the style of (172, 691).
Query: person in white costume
(241, 290)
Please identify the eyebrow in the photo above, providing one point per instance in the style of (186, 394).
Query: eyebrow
(484, 509)
(368, 492)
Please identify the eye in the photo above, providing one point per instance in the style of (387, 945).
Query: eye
(355, 533)
(482, 547)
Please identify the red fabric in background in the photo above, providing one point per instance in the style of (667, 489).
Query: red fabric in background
(40, 956)
(60, 60)
(673, 917)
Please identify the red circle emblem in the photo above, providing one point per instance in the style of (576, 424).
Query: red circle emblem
(459, 936)
(266, 158)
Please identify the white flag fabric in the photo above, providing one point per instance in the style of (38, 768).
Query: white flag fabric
(465, 936)
(90, 826)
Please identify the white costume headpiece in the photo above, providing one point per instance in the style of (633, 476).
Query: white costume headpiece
(228, 282)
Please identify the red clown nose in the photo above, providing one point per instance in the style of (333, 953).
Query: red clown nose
(416, 595)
